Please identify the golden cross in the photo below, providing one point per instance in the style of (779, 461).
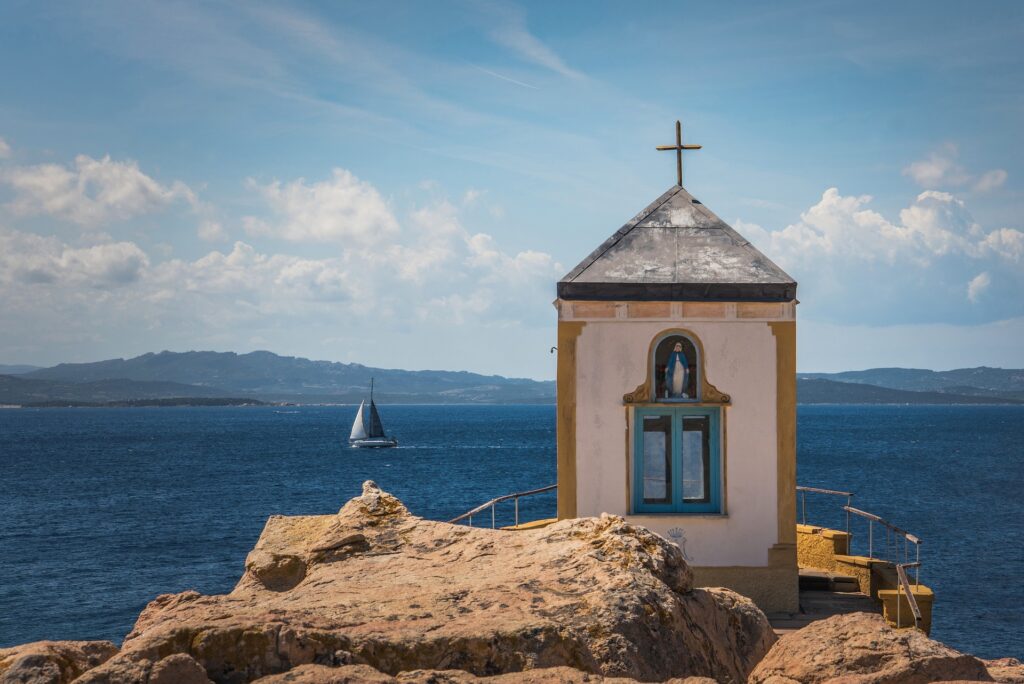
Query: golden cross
(679, 147)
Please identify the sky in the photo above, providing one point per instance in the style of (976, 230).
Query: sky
(401, 184)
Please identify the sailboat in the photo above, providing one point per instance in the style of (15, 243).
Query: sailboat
(369, 434)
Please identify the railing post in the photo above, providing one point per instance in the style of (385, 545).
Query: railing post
(470, 521)
(849, 504)
(871, 540)
(803, 506)
(492, 516)
(917, 568)
(517, 510)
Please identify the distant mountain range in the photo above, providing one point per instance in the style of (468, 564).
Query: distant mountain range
(206, 376)
(984, 384)
(821, 391)
(261, 375)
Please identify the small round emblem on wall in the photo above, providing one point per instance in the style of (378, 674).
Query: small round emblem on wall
(677, 535)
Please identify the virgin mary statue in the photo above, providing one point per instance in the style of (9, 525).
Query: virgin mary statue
(677, 373)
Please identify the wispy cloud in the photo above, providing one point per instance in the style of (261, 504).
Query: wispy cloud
(504, 78)
(942, 170)
(512, 32)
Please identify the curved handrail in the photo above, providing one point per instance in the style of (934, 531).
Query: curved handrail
(490, 504)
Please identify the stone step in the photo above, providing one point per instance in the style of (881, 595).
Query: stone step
(824, 580)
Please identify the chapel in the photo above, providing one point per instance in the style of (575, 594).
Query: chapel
(677, 394)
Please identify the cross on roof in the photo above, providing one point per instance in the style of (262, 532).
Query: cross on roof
(679, 147)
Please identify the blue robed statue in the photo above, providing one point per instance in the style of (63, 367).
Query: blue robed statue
(677, 373)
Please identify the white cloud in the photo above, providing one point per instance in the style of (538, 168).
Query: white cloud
(212, 231)
(978, 284)
(27, 259)
(5, 149)
(431, 273)
(941, 170)
(855, 265)
(343, 209)
(1007, 243)
(90, 191)
(990, 180)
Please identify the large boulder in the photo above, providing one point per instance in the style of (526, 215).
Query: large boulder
(1006, 670)
(374, 585)
(52, 662)
(861, 648)
(364, 674)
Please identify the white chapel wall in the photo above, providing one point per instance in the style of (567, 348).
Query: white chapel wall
(611, 360)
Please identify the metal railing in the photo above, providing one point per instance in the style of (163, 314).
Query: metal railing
(893, 534)
(816, 490)
(468, 515)
(901, 572)
(895, 553)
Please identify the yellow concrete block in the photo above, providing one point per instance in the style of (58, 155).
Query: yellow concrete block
(896, 606)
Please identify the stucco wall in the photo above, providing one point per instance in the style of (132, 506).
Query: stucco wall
(611, 361)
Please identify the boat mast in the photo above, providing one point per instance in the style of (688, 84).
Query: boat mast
(371, 390)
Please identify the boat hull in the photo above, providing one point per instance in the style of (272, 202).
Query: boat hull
(373, 443)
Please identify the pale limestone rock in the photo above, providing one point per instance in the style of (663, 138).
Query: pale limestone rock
(861, 648)
(178, 669)
(376, 586)
(51, 662)
(364, 674)
(1006, 670)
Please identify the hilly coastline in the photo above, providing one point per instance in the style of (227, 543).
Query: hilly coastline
(220, 378)
(262, 376)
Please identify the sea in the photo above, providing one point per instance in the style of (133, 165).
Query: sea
(102, 509)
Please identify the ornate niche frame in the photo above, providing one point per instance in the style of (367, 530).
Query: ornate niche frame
(708, 394)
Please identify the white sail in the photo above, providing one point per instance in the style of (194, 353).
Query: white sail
(358, 427)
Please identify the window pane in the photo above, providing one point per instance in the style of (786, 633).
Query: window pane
(696, 460)
(657, 464)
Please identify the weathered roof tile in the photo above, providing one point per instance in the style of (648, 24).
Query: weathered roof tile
(677, 249)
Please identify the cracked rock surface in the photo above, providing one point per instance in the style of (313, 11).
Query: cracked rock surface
(861, 648)
(375, 586)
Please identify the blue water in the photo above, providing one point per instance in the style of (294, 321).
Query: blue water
(103, 509)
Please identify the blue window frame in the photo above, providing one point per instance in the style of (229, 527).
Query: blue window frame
(677, 465)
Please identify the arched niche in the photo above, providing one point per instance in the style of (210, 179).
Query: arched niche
(661, 386)
(675, 370)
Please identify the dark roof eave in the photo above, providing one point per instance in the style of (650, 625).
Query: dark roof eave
(678, 292)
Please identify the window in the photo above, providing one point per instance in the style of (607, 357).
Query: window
(677, 463)
(675, 370)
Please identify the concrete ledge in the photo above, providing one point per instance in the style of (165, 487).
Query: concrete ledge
(532, 525)
(818, 547)
(896, 606)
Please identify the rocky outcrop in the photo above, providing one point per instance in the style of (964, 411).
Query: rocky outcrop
(52, 662)
(1006, 670)
(364, 674)
(374, 585)
(861, 648)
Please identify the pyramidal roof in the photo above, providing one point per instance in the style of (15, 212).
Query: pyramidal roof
(675, 250)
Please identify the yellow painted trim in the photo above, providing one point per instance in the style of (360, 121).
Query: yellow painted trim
(785, 406)
(568, 333)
